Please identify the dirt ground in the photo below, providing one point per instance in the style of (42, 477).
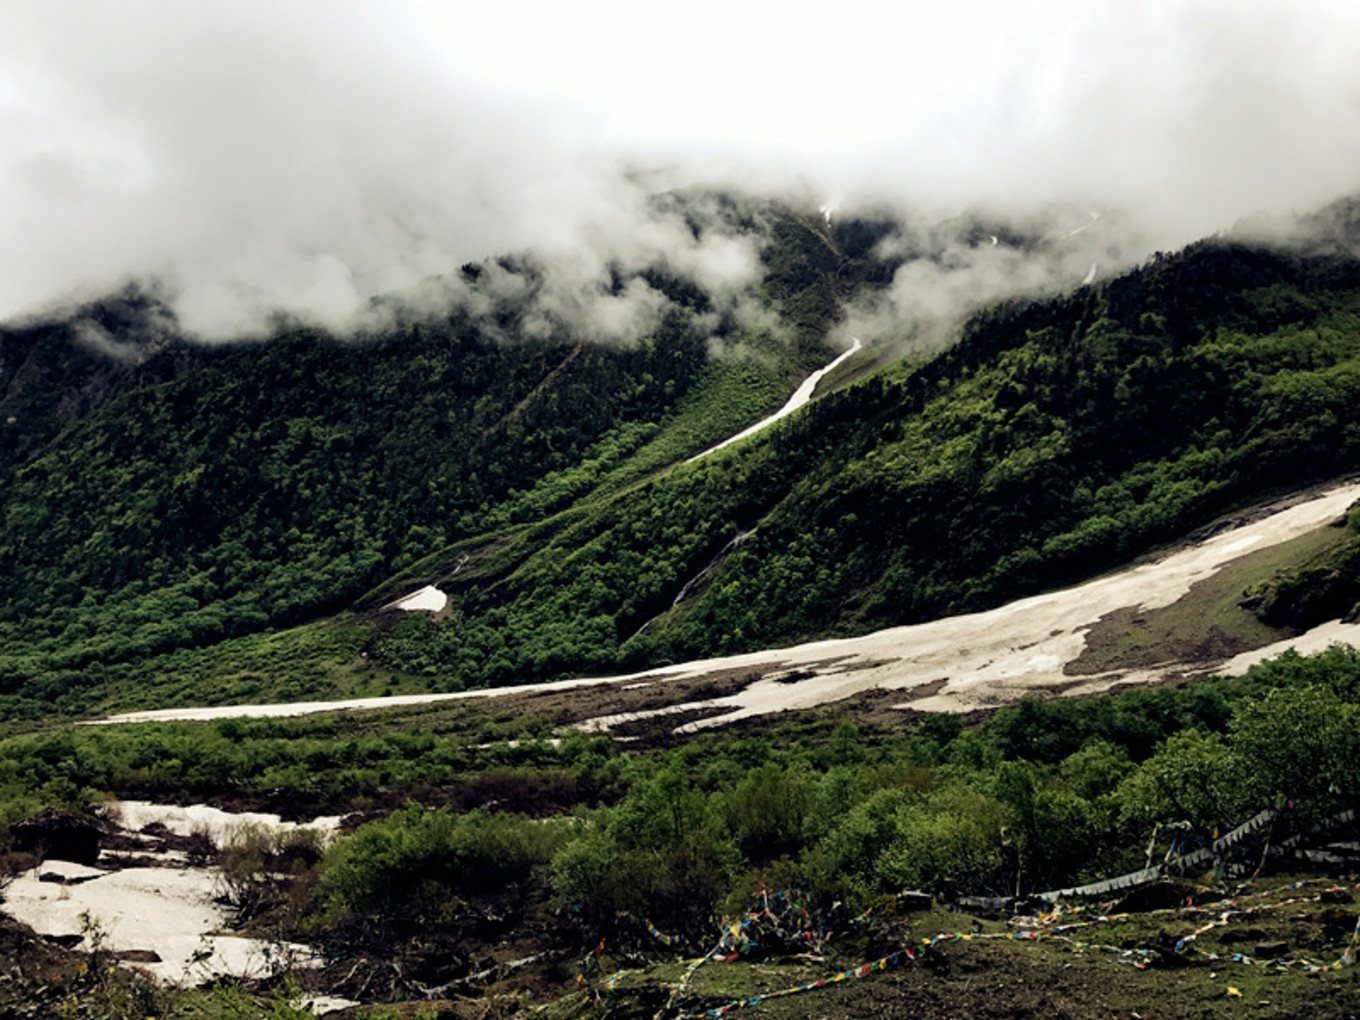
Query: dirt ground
(1129, 968)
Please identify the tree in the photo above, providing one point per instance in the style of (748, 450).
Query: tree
(1192, 778)
(1299, 743)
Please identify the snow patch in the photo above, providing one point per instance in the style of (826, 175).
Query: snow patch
(428, 600)
(1310, 642)
(169, 910)
(320, 1005)
(800, 397)
(136, 815)
(167, 907)
(1095, 216)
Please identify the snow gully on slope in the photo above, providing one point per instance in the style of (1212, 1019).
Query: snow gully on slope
(800, 397)
(689, 585)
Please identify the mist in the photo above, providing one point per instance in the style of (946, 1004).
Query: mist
(949, 270)
(261, 159)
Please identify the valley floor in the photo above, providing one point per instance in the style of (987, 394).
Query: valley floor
(1132, 958)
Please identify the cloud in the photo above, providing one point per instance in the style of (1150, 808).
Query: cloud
(261, 157)
(947, 270)
(608, 282)
(304, 157)
(1186, 114)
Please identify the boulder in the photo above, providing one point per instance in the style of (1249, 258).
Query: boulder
(138, 956)
(60, 836)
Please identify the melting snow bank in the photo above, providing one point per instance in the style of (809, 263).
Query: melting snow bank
(954, 664)
(167, 911)
(991, 658)
(427, 600)
(1319, 639)
(801, 396)
(136, 815)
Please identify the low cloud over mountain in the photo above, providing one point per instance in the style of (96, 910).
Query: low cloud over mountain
(306, 157)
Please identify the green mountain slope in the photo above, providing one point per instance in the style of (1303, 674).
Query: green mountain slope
(161, 537)
(158, 495)
(1054, 440)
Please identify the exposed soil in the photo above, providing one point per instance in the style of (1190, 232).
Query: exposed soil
(1108, 646)
(1087, 973)
(647, 693)
(35, 972)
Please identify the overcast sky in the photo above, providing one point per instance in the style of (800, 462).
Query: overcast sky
(308, 154)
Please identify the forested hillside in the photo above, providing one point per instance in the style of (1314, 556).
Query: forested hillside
(159, 494)
(169, 514)
(1056, 439)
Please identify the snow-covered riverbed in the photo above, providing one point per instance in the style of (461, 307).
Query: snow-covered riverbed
(164, 907)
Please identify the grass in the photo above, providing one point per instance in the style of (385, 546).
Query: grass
(1001, 977)
(1208, 621)
(735, 392)
(318, 660)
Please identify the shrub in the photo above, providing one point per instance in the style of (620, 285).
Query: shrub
(261, 868)
(415, 865)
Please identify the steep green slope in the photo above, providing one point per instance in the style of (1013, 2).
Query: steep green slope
(1054, 440)
(172, 496)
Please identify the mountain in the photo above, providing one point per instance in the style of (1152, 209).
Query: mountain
(191, 522)
(196, 524)
(162, 494)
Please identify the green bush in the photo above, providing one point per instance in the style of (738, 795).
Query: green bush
(664, 851)
(416, 865)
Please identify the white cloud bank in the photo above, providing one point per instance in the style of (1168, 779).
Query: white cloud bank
(305, 156)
